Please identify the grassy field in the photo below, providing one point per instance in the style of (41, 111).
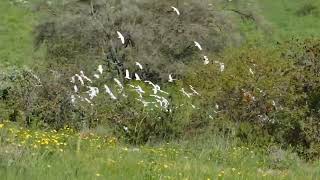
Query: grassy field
(31, 154)
(292, 17)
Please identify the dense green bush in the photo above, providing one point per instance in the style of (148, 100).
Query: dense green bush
(277, 102)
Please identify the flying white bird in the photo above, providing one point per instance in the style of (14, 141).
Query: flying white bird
(120, 36)
(206, 60)
(109, 92)
(80, 79)
(85, 77)
(75, 88)
(185, 93)
(96, 76)
(119, 84)
(93, 91)
(251, 71)
(137, 77)
(198, 45)
(193, 90)
(127, 74)
(100, 69)
(176, 10)
(139, 65)
(170, 78)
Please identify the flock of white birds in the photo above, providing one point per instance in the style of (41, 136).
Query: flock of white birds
(158, 97)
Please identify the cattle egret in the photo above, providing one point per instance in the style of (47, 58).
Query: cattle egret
(109, 92)
(96, 76)
(139, 65)
(176, 10)
(137, 77)
(120, 36)
(119, 84)
(251, 71)
(85, 77)
(93, 91)
(100, 69)
(222, 67)
(170, 78)
(198, 45)
(73, 99)
(80, 79)
(185, 93)
(193, 90)
(73, 79)
(75, 88)
(127, 74)
(206, 60)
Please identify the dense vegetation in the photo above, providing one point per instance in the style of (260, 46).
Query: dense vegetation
(257, 100)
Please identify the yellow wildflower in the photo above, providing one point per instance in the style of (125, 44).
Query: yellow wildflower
(1, 125)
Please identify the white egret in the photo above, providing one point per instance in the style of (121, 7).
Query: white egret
(127, 74)
(93, 91)
(120, 36)
(251, 71)
(75, 87)
(73, 79)
(185, 93)
(171, 78)
(206, 60)
(119, 84)
(96, 76)
(197, 45)
(73, 99)
(139, 65)
(137, 77)
(85, 77)
(176, 10)
(109, 92)
(100, 69)
(80, 79)
(193, 90)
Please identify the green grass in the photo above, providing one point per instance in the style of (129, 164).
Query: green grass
(16, 26)
(286, 23)
(30, 154)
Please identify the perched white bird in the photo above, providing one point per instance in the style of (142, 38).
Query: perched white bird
(139, 65)
(73, 99)
(85, 77)
(80, 79)
(96, 76)
(222, 67)
(119, 84)
(198, 45)
(176, 10)
(109, 92)
(120, 36)
(137, 77)
(206, 60)
(73, 79)
(100, 69)
(75, 87)
(171, 78)
(127, 74)
(193, 90)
